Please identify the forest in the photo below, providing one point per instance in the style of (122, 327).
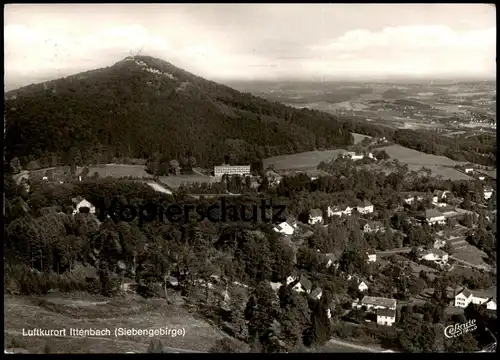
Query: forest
(124, 111)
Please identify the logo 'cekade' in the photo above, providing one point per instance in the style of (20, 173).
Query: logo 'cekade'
(457, 330)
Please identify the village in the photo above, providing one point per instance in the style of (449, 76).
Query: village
(367, 300)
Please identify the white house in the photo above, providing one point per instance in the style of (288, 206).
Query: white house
(315, 216)
(330, 259)
(287, 227)
(275, 285)
(487, 193)
(466, 297)
(372, 256)
(469, 170)
(410, 198)
(339, 210)
(365, 207)
(481, 178)
(362, 286)
(386, 317)
(79, 203)
(491, 304)
(375, 303)
(434, 217)
(436, 255)
(353, 156)
(439, 243)
(302, 284)
(45, 178)
(373, 227)
(439, 195)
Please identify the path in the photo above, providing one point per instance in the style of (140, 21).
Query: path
(394, 251)
(355, 346)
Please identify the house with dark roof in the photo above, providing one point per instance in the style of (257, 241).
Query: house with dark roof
(299, 282)
(478, 297)
(374, 302)
(439, 195)
(315, 216)
(487, 193)
(365, 207)
(331, 259)
(373, 226)
(433, 216)
(386, 317)
(316, 293)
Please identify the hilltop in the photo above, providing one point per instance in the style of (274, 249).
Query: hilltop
(144, 105)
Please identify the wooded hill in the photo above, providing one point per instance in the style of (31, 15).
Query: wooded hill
(143, 105)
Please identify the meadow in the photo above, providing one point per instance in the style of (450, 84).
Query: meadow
(57, 311)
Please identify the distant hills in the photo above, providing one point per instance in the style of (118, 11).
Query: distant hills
(143, 106)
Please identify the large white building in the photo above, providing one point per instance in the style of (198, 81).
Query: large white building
(375, 303)
(466, 297)
(231, 170)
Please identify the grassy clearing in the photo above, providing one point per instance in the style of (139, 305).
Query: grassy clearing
(175, 181)
(85, 311)
(471, 254)
(410, 156)
(118, 170)
(439, 165)
(302, 161)
(359, 137)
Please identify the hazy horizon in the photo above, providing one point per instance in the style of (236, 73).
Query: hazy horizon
(231, 43)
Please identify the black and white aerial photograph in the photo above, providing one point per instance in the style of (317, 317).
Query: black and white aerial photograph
(250, 178)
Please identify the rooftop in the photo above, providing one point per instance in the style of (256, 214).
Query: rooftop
(305, 282)
(378, 301)
(315, 213)
(432, 213)
(365, 203)
(386, 312)
(316, 292)
(438, 252)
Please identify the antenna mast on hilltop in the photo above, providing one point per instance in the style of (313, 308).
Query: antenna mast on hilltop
(134, 55)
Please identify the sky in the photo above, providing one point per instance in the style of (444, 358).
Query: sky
(224, 42)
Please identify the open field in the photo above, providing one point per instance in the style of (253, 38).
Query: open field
(64, 312)
(119, 170)
(302, 161)
(470, 253)
(439, 165)
(359, 137)
(175, 181)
